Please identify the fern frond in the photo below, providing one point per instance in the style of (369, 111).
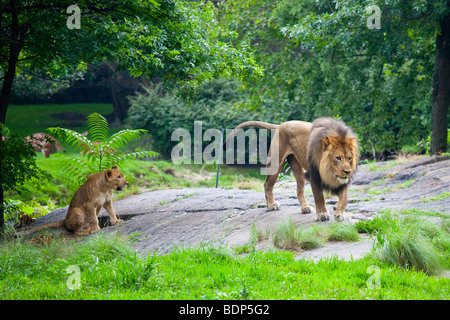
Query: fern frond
(118, 159)
(123, 137)
(139, 155)
(74, 169)
(76, 139)
(97, 127)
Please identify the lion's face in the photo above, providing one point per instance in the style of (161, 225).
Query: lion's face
(114, 178)
(339, 160)
(341, 163)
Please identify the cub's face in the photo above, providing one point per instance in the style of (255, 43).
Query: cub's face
(114, 178)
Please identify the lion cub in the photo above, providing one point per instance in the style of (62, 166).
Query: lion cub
(95, 193)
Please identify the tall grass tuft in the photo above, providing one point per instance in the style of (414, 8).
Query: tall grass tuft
(343, 232)
(286, 236)
(413, 242)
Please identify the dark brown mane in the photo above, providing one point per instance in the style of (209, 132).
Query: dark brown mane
(336, 131)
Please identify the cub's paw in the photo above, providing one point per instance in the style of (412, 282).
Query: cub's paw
(306, 210)
(116, 222)
(94, 229)
(322, 216)
(274, 206)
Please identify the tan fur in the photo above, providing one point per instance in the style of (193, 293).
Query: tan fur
(45, 143)
(95, 193)
(315, 147)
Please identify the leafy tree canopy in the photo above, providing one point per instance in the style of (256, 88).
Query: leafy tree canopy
(177, 40)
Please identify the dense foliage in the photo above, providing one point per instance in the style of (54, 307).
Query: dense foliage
(18, 163)
(160, 112)
(176, 40)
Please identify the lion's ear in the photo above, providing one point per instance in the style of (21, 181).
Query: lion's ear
(325, 143)
(115, 168)
(108, 174)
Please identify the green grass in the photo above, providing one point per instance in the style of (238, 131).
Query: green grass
(32, 118)
(374, 166)
(343, 232)
(110, 269)
(399, 186)
(287, 236)
(440, 197)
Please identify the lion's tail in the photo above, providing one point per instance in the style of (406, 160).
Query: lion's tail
(258, 124)
(52, 225)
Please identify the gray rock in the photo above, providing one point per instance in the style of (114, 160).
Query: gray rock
(163, 219)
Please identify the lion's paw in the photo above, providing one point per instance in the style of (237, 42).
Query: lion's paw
(274, 206)
(306, 210)
(338, 216)
(322, 216)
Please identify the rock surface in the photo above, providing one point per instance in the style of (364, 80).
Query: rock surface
(164, 219)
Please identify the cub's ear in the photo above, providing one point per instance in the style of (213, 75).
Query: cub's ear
(115, 168)
(325, 143)
(108, 174)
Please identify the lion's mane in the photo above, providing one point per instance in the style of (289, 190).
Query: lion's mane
(338, 135)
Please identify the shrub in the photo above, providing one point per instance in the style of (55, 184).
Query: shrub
(160, 112)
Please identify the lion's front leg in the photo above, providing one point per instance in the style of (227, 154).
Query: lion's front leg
(339, 209)
(112, 213)
(321, 210)
(91, 220)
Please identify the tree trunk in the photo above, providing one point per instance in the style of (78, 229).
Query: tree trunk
(15, 46)
(440, 97)
(122, 86)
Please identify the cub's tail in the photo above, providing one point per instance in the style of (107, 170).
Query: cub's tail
(25, 231)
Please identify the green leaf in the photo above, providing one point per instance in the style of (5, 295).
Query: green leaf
(97, 127)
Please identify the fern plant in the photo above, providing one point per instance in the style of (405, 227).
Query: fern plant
(101, 151)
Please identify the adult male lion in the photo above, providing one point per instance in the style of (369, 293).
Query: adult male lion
(95, 193)
(327, 149)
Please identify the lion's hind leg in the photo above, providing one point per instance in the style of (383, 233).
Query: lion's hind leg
(275, 161)
(81, 223)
